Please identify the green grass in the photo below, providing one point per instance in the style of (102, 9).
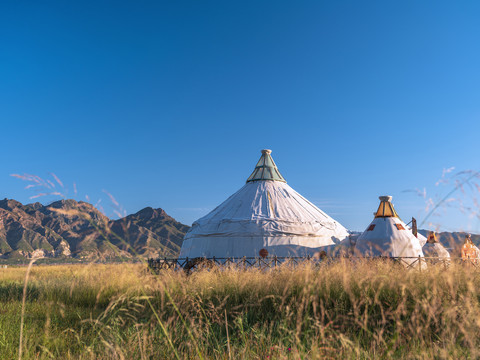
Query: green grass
(341, 310)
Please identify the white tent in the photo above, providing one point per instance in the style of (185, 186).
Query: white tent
(265, 213)
(387, 235)
(469, 251)
(431, 247)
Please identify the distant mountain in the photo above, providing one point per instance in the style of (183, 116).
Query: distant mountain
(76, 229)
(453, 240)
(67, 228)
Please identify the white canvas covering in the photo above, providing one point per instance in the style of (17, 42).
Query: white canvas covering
(263, 214)
(435, 249)
(387, 235)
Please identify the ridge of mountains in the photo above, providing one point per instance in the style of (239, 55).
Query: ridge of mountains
(76, 229)
(453, 240)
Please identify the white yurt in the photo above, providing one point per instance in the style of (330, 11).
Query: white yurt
(266, 213)
(469, 251)
(431, 247)
(387, 235)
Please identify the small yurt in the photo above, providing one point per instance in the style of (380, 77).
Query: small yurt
(265, 214)
(431, 247)
(469, 251)
(388, 235)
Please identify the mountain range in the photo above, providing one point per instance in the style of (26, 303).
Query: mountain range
(453, 241)
(76, 229)
(70, 228)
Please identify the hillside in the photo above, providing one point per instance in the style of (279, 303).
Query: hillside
(453, 240)
(70, 229)
(67, 228)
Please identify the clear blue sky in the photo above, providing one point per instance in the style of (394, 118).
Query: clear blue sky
(167, 104)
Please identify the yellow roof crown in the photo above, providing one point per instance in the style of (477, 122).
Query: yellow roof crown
(386, 208)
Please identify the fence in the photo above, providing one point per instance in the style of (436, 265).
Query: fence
(419, 263)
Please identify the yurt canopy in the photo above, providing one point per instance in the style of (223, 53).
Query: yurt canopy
(266, 213)
(388, 235)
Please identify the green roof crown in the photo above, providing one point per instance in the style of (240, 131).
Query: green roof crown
(266, 169)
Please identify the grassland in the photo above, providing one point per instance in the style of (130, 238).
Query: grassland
(341, 310)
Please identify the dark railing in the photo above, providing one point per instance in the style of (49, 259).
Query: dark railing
(419, 263)
(229, 262)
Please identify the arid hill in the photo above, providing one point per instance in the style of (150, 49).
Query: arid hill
(67, 228)
(453, 240)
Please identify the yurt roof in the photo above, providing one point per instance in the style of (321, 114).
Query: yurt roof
(266, 169)
(386, 209)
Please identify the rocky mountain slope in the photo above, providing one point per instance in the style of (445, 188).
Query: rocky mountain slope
(68, 228)
(453, 240)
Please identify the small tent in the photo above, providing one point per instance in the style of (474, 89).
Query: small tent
(388, 235)
(469, 251)
(266, 213)
(431, 247)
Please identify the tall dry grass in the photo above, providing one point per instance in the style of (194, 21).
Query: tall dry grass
(340, 310)
(356, 310)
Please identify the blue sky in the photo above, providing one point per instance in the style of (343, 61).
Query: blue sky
(167, 104)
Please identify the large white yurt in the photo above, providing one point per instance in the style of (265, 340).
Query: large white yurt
(387, 235)
(266, 213)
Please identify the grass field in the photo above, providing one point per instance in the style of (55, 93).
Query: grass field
(341, 310)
